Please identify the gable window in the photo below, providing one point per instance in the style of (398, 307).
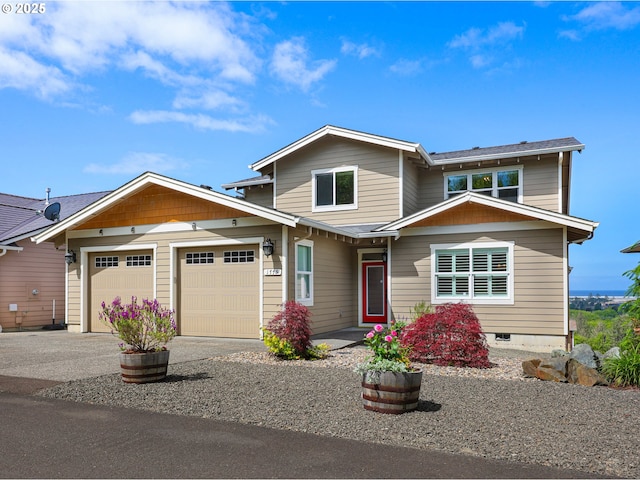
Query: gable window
(505, 183)
(335, 188)
(480, 273)
(304, 272)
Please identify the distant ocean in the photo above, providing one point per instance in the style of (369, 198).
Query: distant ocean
(597, 293)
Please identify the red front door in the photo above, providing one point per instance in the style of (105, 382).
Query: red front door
(374, 292)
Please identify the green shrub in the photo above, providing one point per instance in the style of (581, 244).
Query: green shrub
(419, 309)
(624, 371)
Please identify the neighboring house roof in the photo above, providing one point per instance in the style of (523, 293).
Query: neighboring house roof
(581, 229)
(432, 159)
(21, 217)
(635, 248)
(150, 178)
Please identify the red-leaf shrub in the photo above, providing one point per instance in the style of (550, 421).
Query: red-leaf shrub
(450, 336)
(292, 324)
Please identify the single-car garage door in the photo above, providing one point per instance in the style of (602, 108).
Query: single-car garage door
(118, 274)
(219, 291)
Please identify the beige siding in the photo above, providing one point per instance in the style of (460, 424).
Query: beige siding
(261, 195)
(272, 285)
(430, 188)
(539, 304)
(541, 183)
(410, 198)
(378, 189)
(335, 283)
(38, 267)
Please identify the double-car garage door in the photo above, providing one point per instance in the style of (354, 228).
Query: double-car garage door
(217, 295)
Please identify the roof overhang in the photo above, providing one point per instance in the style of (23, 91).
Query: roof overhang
(250, 182)
(331, 130)
(581, 229)
(150, 178)
(635, 248)
(9, 248)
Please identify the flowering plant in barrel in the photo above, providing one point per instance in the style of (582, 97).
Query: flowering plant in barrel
(390, 383)
(146, 327)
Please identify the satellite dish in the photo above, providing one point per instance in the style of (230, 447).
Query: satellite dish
(52, 212)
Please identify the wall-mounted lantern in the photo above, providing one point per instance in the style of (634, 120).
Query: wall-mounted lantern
(267, 247)
(70, 257)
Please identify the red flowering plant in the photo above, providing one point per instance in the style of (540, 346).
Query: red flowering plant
(142, 328)
(388, 354)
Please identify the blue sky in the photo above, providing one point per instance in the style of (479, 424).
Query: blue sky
(92, 94)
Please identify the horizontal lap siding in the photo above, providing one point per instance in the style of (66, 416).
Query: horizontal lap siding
(260, 195)
(410, 188)
(430, 188)
(378, 189)
(539, 305)
(541, 184)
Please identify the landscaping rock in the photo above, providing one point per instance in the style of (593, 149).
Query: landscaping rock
(584, 354)
(530, 367)
(558, 353)
(554, 369)
(580, 374)
(612, 353)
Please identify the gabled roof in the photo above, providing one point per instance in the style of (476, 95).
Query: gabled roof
(476, 154)
(342, 133)
(521, 149)
(21, 217)
(249, 182)
(583, 228)
(635, 248)
(150, 178)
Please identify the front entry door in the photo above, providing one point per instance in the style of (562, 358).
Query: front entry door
(374, 289)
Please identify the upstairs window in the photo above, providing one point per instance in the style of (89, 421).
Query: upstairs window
(478, 273)
(505, 184)
(334, 189)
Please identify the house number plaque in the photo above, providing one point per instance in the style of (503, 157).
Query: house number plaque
(272, 272)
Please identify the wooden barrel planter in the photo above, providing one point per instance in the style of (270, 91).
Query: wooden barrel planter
(391, 392)
(144, 367)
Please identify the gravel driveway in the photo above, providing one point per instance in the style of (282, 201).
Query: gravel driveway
(493, 413)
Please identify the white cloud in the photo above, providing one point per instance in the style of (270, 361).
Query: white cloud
(361, 51)
(605, 15)
(20, 71)
(200, 121)
(136, 163)
(406, 67)
(290, 63)
(476, 38)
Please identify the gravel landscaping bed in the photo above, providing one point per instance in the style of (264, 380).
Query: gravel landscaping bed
(494, 413)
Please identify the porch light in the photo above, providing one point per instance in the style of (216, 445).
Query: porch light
(384, 255)
(267, 247)
(70, 257)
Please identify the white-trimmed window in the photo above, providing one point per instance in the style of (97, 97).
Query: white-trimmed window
(107, 262)
(304, 272)
(138, 260)
(480, 273)
(239, 256)
(199, 258)
(335, 189)
(505, 183)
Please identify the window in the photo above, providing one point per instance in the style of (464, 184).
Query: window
(199, 258)
(138, 260)
(304, 272)
(504, 184)
(107, 262)
(480, 273)
(334, 189)
(239, 256)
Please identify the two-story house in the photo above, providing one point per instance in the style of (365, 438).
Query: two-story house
(358, 227)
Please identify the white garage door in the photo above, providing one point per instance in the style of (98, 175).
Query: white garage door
(219, 291)
(118, 274)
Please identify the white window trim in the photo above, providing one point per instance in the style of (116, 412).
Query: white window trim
(494, 184)
(508, 300)
(304, 301)
(334, 208)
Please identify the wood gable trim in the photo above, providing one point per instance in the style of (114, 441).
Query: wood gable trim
(156, 204)
(469, 214)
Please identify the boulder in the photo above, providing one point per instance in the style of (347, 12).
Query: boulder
(584, 354)
(581, 374)
(554, 369)
(530, 367)
(558, 353)
(612, 353)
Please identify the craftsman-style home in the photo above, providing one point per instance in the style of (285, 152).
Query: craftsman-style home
(356, 226)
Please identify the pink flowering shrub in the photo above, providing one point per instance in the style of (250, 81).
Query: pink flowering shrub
(142, 328)
(450, 336)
